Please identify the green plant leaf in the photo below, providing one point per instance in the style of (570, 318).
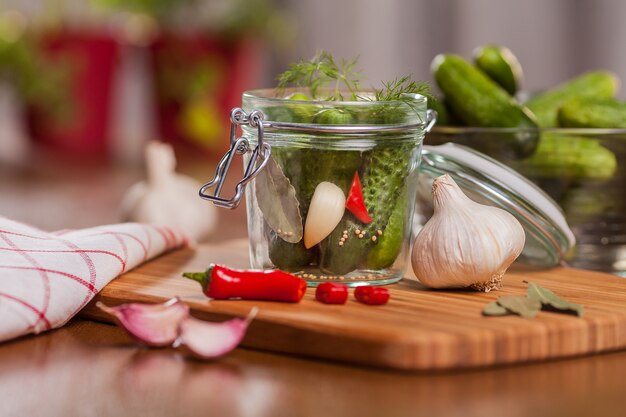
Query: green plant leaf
(495, 309)
(277, 200)
(552, 301)
(524, 306)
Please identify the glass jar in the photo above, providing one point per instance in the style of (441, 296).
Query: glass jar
(314, 142)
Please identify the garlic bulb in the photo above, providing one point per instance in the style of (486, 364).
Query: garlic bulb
(168, 198)
(465, 244)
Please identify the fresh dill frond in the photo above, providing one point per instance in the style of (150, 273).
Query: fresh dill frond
(395, 90)
(322, 72)
(401, 89)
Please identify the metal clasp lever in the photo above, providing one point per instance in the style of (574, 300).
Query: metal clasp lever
(239, 146)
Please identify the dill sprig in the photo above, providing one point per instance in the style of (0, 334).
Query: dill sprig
(401, 89)
(323, 72)
(395, 90)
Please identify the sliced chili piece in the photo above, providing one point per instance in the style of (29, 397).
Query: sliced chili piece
(355, 202)
(331, 293)
(220, 282)
(371, 295)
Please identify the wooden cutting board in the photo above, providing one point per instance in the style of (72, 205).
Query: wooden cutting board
(418, 329)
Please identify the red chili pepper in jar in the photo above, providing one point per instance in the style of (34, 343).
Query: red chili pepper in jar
(355, 203)
(371, 295)
(331, 293)
(220, 282)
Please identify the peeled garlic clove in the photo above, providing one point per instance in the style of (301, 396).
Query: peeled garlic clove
(208, 340)
(325, 212)
(151, 324)
(465, 244)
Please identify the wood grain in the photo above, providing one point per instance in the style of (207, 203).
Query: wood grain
(418, 330)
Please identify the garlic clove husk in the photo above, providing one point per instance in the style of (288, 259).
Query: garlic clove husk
(325, 212)
(151, 324)
(168, 198)
(465, 244)
(206, 340)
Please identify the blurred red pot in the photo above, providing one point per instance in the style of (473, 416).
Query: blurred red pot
(88, 60)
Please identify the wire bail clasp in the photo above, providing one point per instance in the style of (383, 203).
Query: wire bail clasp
(239, 146)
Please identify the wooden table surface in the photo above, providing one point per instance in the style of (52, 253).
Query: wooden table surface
(91, 369)
(94, 369)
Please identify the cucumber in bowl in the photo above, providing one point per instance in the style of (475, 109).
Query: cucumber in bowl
(479, 102)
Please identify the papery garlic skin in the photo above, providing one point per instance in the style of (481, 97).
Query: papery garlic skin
(465, 244)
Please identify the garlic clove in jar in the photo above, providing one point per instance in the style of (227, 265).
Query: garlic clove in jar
(325, 212)
(465, 244)
(168, 198)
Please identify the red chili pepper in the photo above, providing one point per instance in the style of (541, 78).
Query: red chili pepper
(331, 293)
(371, 295)
(355, 203)
(220, 282)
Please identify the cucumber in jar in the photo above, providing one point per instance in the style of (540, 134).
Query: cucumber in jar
(383, 180)
(306, 168)
(389, 243)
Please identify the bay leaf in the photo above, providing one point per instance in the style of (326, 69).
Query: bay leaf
(495, 309)
(524, 306)
(277, 200)
(552, 301)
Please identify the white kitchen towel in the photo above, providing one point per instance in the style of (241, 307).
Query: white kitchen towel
(46, 278)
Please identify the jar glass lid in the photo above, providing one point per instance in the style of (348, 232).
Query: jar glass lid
(487, 181)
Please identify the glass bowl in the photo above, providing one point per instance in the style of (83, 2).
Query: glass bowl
(583, 170)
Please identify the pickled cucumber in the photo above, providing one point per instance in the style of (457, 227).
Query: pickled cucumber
(600, 84)
(383, 180)
(289, 256)
(569, 157)
(500, 65)
(298, 112)
(475, 98)
(593, 113)
(389, 244)
(306, 168)
(333, 117)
